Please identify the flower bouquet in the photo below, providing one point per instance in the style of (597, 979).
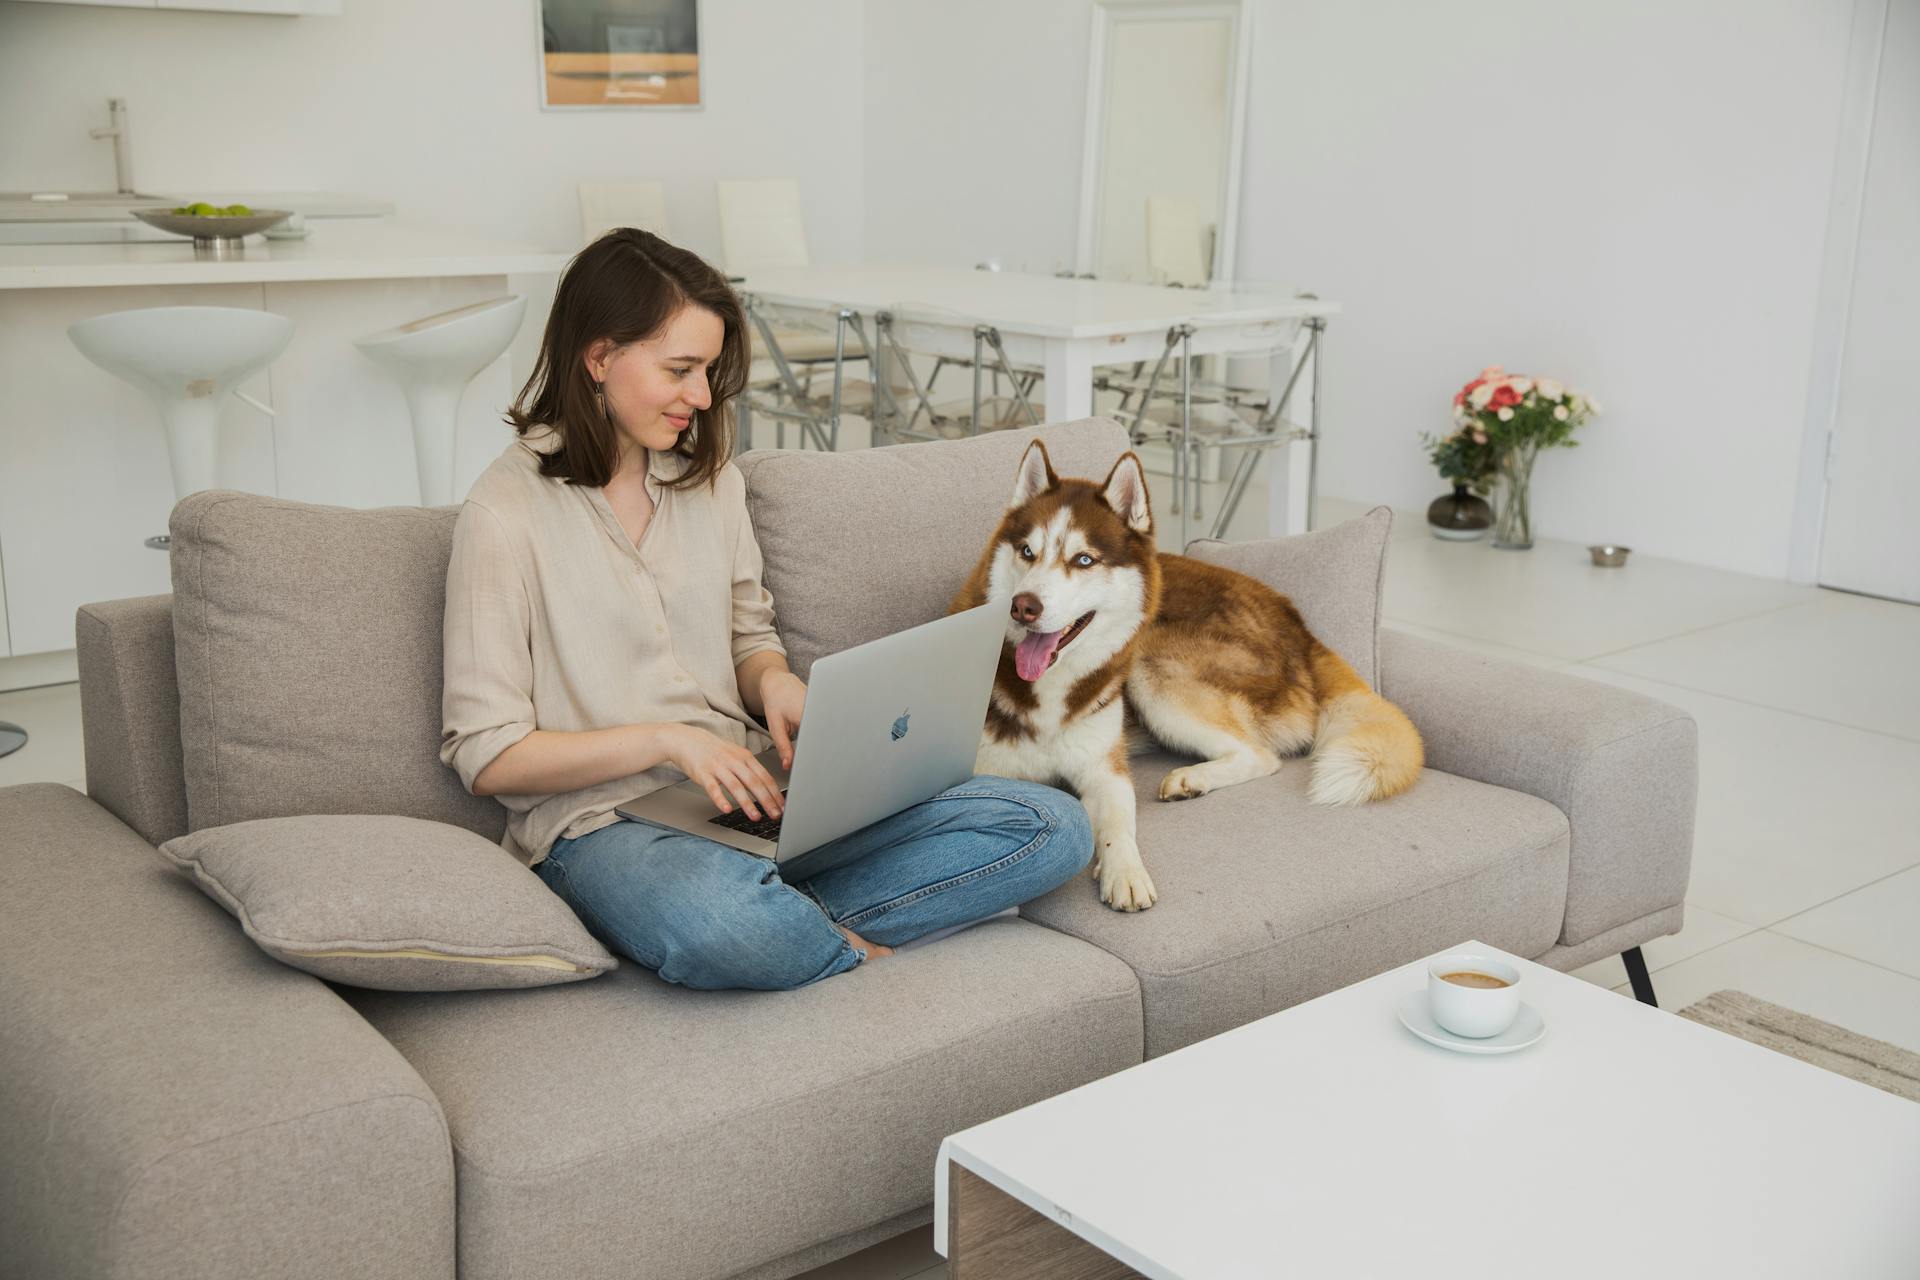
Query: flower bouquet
(1516, 417)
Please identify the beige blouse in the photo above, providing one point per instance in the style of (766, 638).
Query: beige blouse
(555, 620)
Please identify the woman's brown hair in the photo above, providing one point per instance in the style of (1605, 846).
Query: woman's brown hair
(625, 287)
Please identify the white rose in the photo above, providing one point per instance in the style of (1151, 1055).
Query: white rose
(1560, 413)
(1506, 415)
(1520, 385)
(1576, 402)
(1479, 396)
(1593, 406)
(1549, 389)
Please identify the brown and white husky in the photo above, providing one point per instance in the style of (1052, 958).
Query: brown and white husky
(1213, 664)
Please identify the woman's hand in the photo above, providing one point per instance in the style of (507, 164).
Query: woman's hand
(784, 697)
(728, 773)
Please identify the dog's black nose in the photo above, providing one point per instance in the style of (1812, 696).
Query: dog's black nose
(1027, 608)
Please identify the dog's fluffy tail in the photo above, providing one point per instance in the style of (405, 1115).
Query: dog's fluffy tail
(1364, 747)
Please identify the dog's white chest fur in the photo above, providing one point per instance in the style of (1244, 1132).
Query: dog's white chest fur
(1061, 748)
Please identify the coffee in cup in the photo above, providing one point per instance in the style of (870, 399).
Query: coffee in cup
(1475, 996)
(1473, 978)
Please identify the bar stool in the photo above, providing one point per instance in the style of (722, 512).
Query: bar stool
(434, 358)
(186, 358)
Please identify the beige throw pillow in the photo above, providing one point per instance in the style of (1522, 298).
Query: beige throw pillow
(401, 904)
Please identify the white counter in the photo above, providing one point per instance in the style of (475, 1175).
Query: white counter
(333, 250)
(84, 472)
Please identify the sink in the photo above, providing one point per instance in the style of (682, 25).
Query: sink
(79, 206)
(81, 197)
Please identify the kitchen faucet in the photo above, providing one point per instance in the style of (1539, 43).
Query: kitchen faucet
(122, 150)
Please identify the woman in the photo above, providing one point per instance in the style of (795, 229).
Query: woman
(607, 632)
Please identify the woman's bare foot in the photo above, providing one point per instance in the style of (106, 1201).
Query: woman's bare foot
(873, 949)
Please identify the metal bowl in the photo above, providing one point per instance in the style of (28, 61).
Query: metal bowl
(212, 232)
(1608, 556)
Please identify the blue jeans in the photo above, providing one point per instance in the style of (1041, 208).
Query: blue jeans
(704, 914)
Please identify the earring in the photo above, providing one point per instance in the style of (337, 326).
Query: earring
(600, 397)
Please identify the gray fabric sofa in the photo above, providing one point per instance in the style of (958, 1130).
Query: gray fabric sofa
(174, 1102)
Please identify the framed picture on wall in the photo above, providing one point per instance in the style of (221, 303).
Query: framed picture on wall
(600, 54)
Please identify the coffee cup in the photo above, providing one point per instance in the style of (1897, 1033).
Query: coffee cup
(1472, 995)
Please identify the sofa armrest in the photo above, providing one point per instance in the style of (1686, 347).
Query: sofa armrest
(1623, 768)
(130, 713)
(175, 1102)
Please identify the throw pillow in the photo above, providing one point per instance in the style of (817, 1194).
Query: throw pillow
(1332, 575)
(401, 904)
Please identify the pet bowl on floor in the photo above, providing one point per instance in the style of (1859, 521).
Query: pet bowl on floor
(1608, 556)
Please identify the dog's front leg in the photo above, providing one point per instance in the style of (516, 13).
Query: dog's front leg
(1106, 790)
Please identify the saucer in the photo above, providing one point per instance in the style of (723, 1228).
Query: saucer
(1416, 1017)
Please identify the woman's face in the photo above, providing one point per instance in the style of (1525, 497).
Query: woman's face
(654, 386)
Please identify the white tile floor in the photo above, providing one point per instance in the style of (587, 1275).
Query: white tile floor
(1806, 875)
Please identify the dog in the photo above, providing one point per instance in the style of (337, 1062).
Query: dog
(1209, 663)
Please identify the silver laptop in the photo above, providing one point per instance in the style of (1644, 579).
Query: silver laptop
(887, 725)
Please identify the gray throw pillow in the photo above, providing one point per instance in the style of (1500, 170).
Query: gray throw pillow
(1333, 577)
(401, 904)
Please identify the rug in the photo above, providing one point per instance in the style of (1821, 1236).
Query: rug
(1875, 1062)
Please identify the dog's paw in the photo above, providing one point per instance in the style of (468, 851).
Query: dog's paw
(1184, 783)
(1126, 886)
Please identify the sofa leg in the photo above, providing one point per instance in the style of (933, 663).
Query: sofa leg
(1638, 976)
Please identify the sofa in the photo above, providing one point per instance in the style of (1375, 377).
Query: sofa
(175, 1102)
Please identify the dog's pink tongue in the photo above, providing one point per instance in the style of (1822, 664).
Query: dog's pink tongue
(1035, 654)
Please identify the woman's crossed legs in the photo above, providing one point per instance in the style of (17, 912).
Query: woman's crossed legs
(703, 914)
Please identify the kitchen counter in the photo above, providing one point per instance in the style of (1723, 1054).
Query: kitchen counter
(333, 250)
(86, 476)
(20, 206)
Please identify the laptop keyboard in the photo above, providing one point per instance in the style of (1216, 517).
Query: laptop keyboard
(764, 827)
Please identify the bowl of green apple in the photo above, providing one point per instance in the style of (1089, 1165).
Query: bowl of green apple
(210, 225)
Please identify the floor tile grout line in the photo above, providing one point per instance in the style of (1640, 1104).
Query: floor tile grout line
(1461, 635)
(1786, 937)
(1773, 924)
(1609, 653)
(1847, 955)
(1749, 702)
(1710, 626)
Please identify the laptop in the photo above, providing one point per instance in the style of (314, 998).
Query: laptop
(887, 725)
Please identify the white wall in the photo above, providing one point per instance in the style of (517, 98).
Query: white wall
(1630, 196)
(974, 112)
(433, 104)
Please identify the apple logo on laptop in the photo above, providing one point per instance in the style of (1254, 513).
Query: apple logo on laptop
(900, 726)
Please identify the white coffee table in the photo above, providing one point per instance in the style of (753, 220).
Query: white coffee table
(1328, 1141)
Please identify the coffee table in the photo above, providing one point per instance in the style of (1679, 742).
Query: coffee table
(1327, 1140)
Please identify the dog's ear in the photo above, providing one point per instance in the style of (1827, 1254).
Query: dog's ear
(1036, 475)
(1126, 492)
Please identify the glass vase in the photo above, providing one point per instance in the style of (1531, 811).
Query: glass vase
(1513, 513)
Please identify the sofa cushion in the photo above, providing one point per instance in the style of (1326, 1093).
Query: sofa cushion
(1266, 900)
(1332, 575)
(307, 642)
(397, 903)
(625, 1127)
(863, 544)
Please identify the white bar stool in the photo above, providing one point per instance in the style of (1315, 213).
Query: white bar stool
(186, 358)
(434, 358)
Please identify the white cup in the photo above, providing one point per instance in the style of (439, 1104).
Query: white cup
(1474, 1012)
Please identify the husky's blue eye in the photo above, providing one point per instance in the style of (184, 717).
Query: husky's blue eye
(1084, 560)
(1026, 552)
